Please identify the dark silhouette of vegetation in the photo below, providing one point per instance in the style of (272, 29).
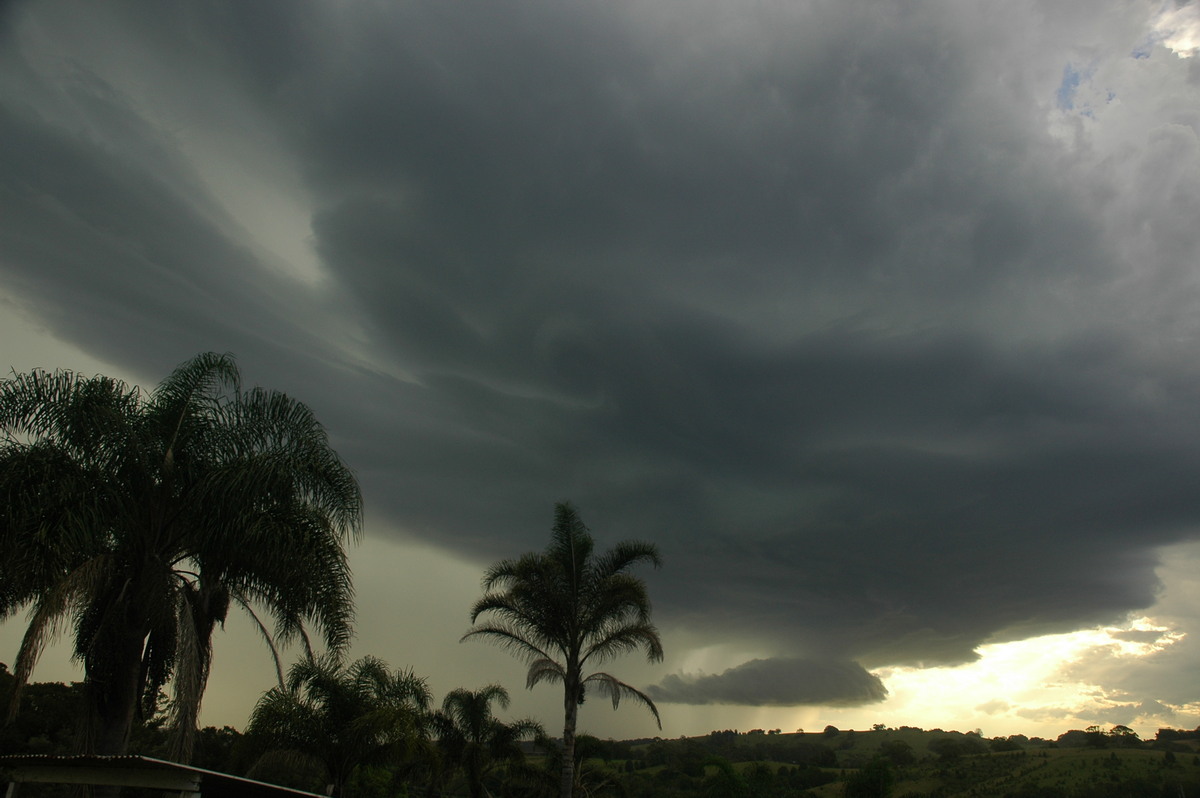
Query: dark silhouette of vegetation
(722, 763)
(340, 718)
(48, 720)
(898, 752)
(141, 518)
(1177, 735)
(724, 780)
(565, 609)
(874, 781)
(591, 773)
(473, 741)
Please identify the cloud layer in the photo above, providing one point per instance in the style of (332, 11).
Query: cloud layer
(889, 348)
(775, 682)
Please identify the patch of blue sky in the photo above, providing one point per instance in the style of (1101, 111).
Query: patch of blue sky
(1075, 92)
(1068, 88)
(1147, 46)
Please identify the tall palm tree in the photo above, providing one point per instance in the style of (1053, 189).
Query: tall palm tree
(476, 741)
(342, 716)
(565, 609)
(139, 519)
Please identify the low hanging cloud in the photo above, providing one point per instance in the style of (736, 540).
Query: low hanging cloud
(778, 682)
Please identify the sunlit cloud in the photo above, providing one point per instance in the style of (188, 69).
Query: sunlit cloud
(1178, 29)
(1041, 680)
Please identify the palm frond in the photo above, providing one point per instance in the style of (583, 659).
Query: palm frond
(194, 385)
(68, 407)
(617, 639)
(544, 670)
(47, 613)
(509, 638)
(571, 543)
(625, 555)
(198, 609)
(512, 572)
(617, 689)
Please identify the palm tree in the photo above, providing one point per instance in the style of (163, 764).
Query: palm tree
(140, 518)
(474, 740)
(342, 716)
(564, 609)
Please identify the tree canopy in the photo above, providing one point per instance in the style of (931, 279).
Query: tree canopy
(340, 716)
(474, 740)
(139, 519)
(567, 608)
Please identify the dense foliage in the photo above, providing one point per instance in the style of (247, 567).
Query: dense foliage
(337, 719)
(139, 520)
(473, 742)
(889, 762)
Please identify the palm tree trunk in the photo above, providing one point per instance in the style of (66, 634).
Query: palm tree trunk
(339, 775)
(112, 686)
(571, 707)
(474, 774)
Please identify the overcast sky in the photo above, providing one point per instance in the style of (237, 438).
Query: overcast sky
(880, 319)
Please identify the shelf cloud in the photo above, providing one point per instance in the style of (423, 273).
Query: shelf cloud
(775, 682)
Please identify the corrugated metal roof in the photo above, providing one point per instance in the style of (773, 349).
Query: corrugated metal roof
(138, 771)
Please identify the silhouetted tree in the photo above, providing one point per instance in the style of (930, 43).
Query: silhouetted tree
(898, 752)
(873, 781)
(142, 518)
(565, 609)
(341, 717)
(474, 740)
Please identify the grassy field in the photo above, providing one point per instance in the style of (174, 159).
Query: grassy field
(939, 764)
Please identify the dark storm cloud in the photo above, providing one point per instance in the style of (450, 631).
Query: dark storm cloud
(775, 682)
(108, 236)
(808, 296)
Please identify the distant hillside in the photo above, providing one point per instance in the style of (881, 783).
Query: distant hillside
(910, 762)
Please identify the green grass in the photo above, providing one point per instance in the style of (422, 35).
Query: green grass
(1065, 771)
(1082, 772)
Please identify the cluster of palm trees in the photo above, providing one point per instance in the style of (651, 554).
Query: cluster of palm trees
(138, 519)
(345, 717)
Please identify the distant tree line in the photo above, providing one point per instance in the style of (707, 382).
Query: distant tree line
(457, 747)
(1177, 735)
